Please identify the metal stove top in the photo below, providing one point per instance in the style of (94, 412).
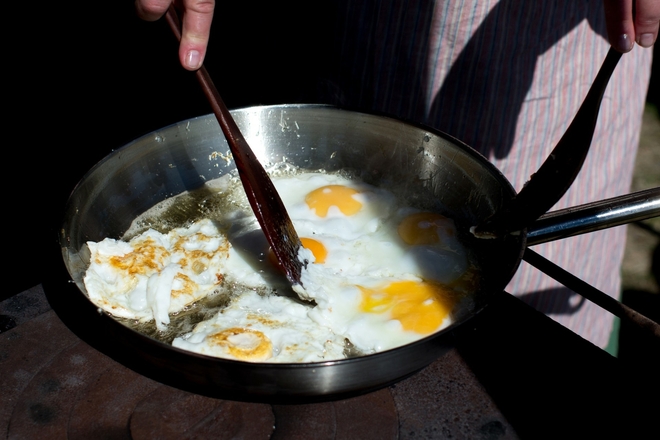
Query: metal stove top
(513, 374)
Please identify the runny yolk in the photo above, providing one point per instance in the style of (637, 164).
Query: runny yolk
(321, 199)
(317, 248)
(419, 306)
(425, 228)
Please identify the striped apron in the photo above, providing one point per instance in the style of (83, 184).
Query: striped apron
(506, 77)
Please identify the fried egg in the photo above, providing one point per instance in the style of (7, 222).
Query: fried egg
(385, 280)
(154, 274)
(377, 273)
(320, 203)
(257, 328)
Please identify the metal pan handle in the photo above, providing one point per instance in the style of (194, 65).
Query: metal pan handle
(592, 294)
(588, 218)
(595, 216)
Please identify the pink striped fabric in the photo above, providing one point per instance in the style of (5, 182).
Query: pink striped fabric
(507, 77)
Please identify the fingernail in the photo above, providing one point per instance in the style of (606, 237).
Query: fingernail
(193, 59)
(624, 44)
(645, 40)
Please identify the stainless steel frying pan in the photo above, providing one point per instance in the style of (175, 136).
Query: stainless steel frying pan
(426, 167)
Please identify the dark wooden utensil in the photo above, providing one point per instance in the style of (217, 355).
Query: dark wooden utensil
(266, 203)
(559, 170)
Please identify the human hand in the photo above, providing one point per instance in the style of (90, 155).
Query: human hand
(196, 26)
(625, 26)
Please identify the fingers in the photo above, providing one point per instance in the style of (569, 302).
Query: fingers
(620, 24)
(197, 18)
(647, 20)
(625, 27)
(151, 10)
(196, 26)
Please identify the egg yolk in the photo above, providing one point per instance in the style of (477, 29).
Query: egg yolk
(244, 344)
(147, 257)
(419, 306)
(423, 228)
(321, 199)
(317, 248)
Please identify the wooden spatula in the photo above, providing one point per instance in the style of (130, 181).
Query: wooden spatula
(266, 203)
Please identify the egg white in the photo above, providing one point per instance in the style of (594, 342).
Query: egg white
(293, 335)
(364, 250)
(154, 274)
(368, 253)
(377, 206)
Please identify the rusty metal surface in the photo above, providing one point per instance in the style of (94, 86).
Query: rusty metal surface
(513, 374)
(372, 415)
(56, 386)
(446, 400)
(23, 307)
(171, 413)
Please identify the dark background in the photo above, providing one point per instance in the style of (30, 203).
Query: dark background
(83, 78)
(91, 76)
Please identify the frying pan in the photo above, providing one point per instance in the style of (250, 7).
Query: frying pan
(427, 168)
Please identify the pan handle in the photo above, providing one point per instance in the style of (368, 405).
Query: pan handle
(595, 216)
(588, 218)
(559, 170)
(592, 294)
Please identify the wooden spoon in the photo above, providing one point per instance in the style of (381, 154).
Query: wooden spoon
(266, 203)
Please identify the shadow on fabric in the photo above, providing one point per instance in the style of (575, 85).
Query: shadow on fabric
(382, 64)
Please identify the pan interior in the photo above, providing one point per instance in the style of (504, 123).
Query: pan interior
(426, 168)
